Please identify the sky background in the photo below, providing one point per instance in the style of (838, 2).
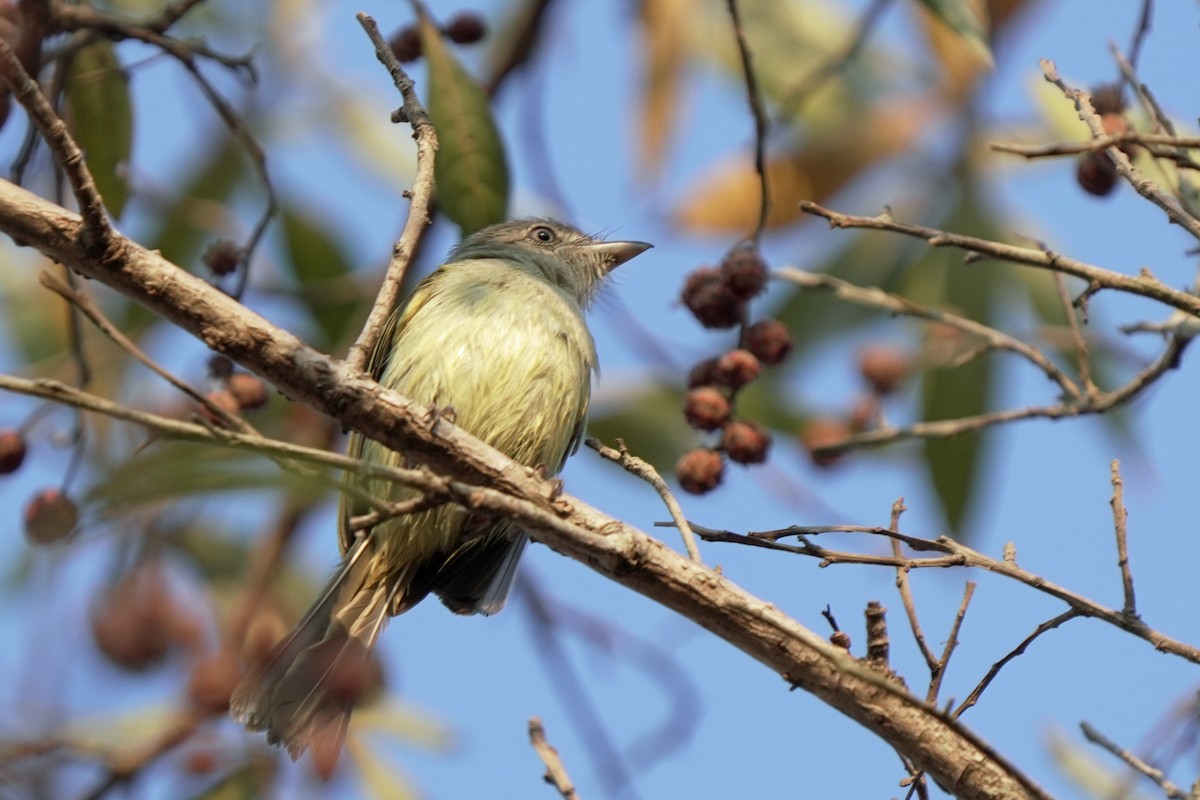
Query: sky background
(1046, 485)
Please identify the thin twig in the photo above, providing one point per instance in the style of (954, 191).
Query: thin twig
(1081, 348)
(1120, 517)
(939, 674)
(1153, 773)
(556, 774)
(418, 212)
(905, 588)
(761, 122)
(124, 766)
(1143, 30)
(1141, 184)
(1147, 140)
(646, 471)
(1048, 625)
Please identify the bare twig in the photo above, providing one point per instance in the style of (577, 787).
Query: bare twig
(556, 774)
(1137, 764)
(1120, 517)
(1048, 625)
(905, 588)
(1081, 348)
(939, 674)
(1143, 30)
(761, 123)
(647, 472)
(1151, 141)
(418, 213)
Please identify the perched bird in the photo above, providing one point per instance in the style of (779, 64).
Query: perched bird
(497, 334)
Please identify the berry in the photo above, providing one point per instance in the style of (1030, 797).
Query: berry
(864, 414)
(703, 374)
(222, 399)
(212, 682)
(706, 408)
(709, 298)
(465, 27)
(50, 517)
(137, 620)
(1107, 98)
(222, 257)
(884, 368)
(745, 272)
(840, 639)
(746, 442)
(768, 340)
(737, 368)
(248, 390)
(1096, 173)
(406, 44)
(700, 471)
(821, 432)
(12, 450)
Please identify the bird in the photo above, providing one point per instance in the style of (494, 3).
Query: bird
(495, 337)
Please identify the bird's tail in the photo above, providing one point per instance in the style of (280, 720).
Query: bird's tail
(302, 696)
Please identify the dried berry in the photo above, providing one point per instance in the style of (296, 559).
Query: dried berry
(820, 432)
(1116, 125)
(212, 682)
(840, 639)
(700, 471)
(745, 272)
(769, 341)
(884, 368)
(737, 368)
(864, 414)
(406, 44)
(248, 390)
(222, 257)
(219, 367)
(222, 399)
(706, 408)
(465, 27)
(12, 450)
(1096, 173)
(746, 442)
(50, 517)
(137, 620)
(709, 298)
(1107, 98)
(703, 374)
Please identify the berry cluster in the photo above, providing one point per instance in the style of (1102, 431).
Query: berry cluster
(1095, 171)
(238, 392)
(465, 27)
(718, 297)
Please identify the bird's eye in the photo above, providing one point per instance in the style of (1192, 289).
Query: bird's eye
(543, 234)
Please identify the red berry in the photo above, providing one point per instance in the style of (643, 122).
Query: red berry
(703, 374)
(249, 391)
(709, 298)
(821, 432)
(737, 368)
(1107, 98)
(700, 471)
(222, 399)
(769, 341)
(50, 517)
(746, 442)
(706, 408)
(406, 44)
(885, 368)
(213, 680)
(12, 450)
(1096, 173)
(746, 273)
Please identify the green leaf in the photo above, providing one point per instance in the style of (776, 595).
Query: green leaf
(321, 266)
(379, 778)
(964, 17)
(101, 119)
(470, 170)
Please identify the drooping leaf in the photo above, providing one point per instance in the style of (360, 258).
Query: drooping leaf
(321, 267)
(101, 119)
(726, 201)
(664, 24)
(379, 777)
(965, 50)
(470, 170)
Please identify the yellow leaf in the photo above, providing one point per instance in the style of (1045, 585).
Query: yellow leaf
(665, 27)
(727, 201)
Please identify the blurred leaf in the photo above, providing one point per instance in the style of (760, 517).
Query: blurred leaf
(167, 472)
(197, 215)
(101, 119)
(470, 170)
(247, 782)
(957, 29)
(405, 724)
(380, 778)
(942, 280)
(218, 556)
(726, 201)
(1079, 765)
(125, 733)
(665, 25)
(320, 265)
(651, 423)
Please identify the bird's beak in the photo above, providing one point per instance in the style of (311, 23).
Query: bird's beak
(614, 254)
